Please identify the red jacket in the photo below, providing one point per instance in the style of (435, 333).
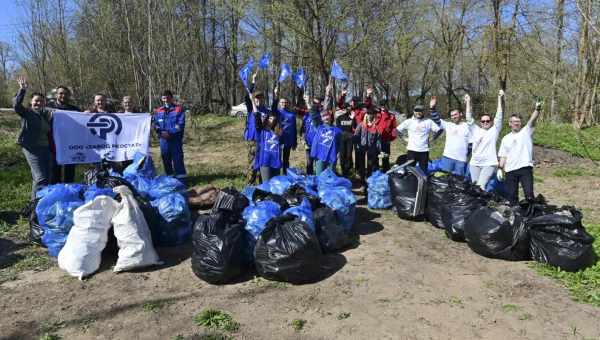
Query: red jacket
(386, 124)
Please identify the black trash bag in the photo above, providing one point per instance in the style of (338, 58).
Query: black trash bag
(436, 189)
(287, 250)
(261, 195)
(218, 242)
(231, 200)
(402, 159)
(332, 235)
(295, 194)
(460, 201)
(498, 233)
(559, 239)
(403, 189)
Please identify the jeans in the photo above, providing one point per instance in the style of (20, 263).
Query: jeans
(285, 158)
(385, 162)
(421, 159)
(309, 163)
(39, 160)
(171, 151)
(453, 166)
(481, 175)
(266, 173)
(345, 154)
(511, 184)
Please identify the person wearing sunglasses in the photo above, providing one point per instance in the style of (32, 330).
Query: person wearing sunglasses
(516, 156)
(484, 162)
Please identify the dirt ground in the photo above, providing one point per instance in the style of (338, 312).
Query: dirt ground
(405, 280)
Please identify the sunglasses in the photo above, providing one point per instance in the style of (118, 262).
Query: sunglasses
(486, 121)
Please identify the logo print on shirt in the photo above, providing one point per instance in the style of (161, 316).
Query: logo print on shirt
(272, 143)
(327, 138)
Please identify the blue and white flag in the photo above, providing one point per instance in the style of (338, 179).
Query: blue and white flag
(300, 78)
(263, 64)
(82, 138)
(286, 71)
(245, 71)
(337, 72)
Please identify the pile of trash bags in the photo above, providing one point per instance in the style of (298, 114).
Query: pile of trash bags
(490, 226)
(281, 229)
(144, 210)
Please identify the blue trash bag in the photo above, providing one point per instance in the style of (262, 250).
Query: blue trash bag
(174, 226)
(264, 186)
(434, 165)
(249, 193)
(278, 184)
(56, 193)
(343, 202)
(163, 185)
(93, 191)
(257, 216)
(496, 186)
(59, 221)
(378, 191)
(295, 175)
(328, 179)
(303, 212)
(142, 165)
(141, 184)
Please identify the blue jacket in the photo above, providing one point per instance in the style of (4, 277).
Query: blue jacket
(309, 127)
(325, 143)
(170, 119)
(288, 125)
(267, 149)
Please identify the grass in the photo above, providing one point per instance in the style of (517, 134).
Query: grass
(216, 320)
(582, 143)
(344, 315)
(575, 172)
(153, 306)
(583, 285)
(298, 324)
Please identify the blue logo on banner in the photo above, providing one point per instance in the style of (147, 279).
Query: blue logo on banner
(102, 124)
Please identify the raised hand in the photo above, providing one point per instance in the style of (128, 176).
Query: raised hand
(344, 91)
(276, 90)
(501, 94)
(328, 89)
(433, 102)
(538, 105)
(369, 91)
(467, 98)
(254, 77)
(22, 83)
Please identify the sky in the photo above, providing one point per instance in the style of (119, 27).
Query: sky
(12, 19)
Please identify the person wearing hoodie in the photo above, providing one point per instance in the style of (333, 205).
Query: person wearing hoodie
(386, 125)
(369, 142)
(33, 137)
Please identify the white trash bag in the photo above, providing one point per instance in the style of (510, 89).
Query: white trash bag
(82, 253)
(132, 233)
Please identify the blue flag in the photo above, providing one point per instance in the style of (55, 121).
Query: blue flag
(286, 71)
(245, 71)
(300, 78)
(263, 64)
(337, 72)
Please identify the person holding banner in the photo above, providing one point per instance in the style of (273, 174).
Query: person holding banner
(127, 105)
(99, 105)
(418, 128)
(169, 124)
(287, 119)
(61, 173)
(33, 137)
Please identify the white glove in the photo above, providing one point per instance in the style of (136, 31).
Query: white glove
(500, 175)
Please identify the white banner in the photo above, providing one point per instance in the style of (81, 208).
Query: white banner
(91, 137)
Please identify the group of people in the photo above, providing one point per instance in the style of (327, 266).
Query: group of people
(37, 142)
(359, 135)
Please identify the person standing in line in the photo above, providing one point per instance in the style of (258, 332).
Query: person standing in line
(484, 161)
(169, 124)
(310, 124)
(127, 105)
(252, 119)
(326, 144)
(287, 120)
(386, 124)
(347, 125)
(370, 145)
(419, 128)
(516, 156)
(33, 137)
(61, 173)
(458, 134)
(99, 105)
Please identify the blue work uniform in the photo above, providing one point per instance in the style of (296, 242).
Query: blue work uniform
(171, 118)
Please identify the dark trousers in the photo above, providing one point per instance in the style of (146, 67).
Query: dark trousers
(385, 148)
(359, 159)
(171, 151)
(367, 168)
(346, 146)
(39, 160)
(285, 158)
(62, 173)
(421, 159)
(310, 163)
(511, 184)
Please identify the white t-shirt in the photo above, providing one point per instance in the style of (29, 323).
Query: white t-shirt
(484, 143)
(418, 133)
(457, 140)
(518, 149)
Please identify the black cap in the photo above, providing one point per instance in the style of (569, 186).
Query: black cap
(355, 99)
(258, 94)
(418, 108)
